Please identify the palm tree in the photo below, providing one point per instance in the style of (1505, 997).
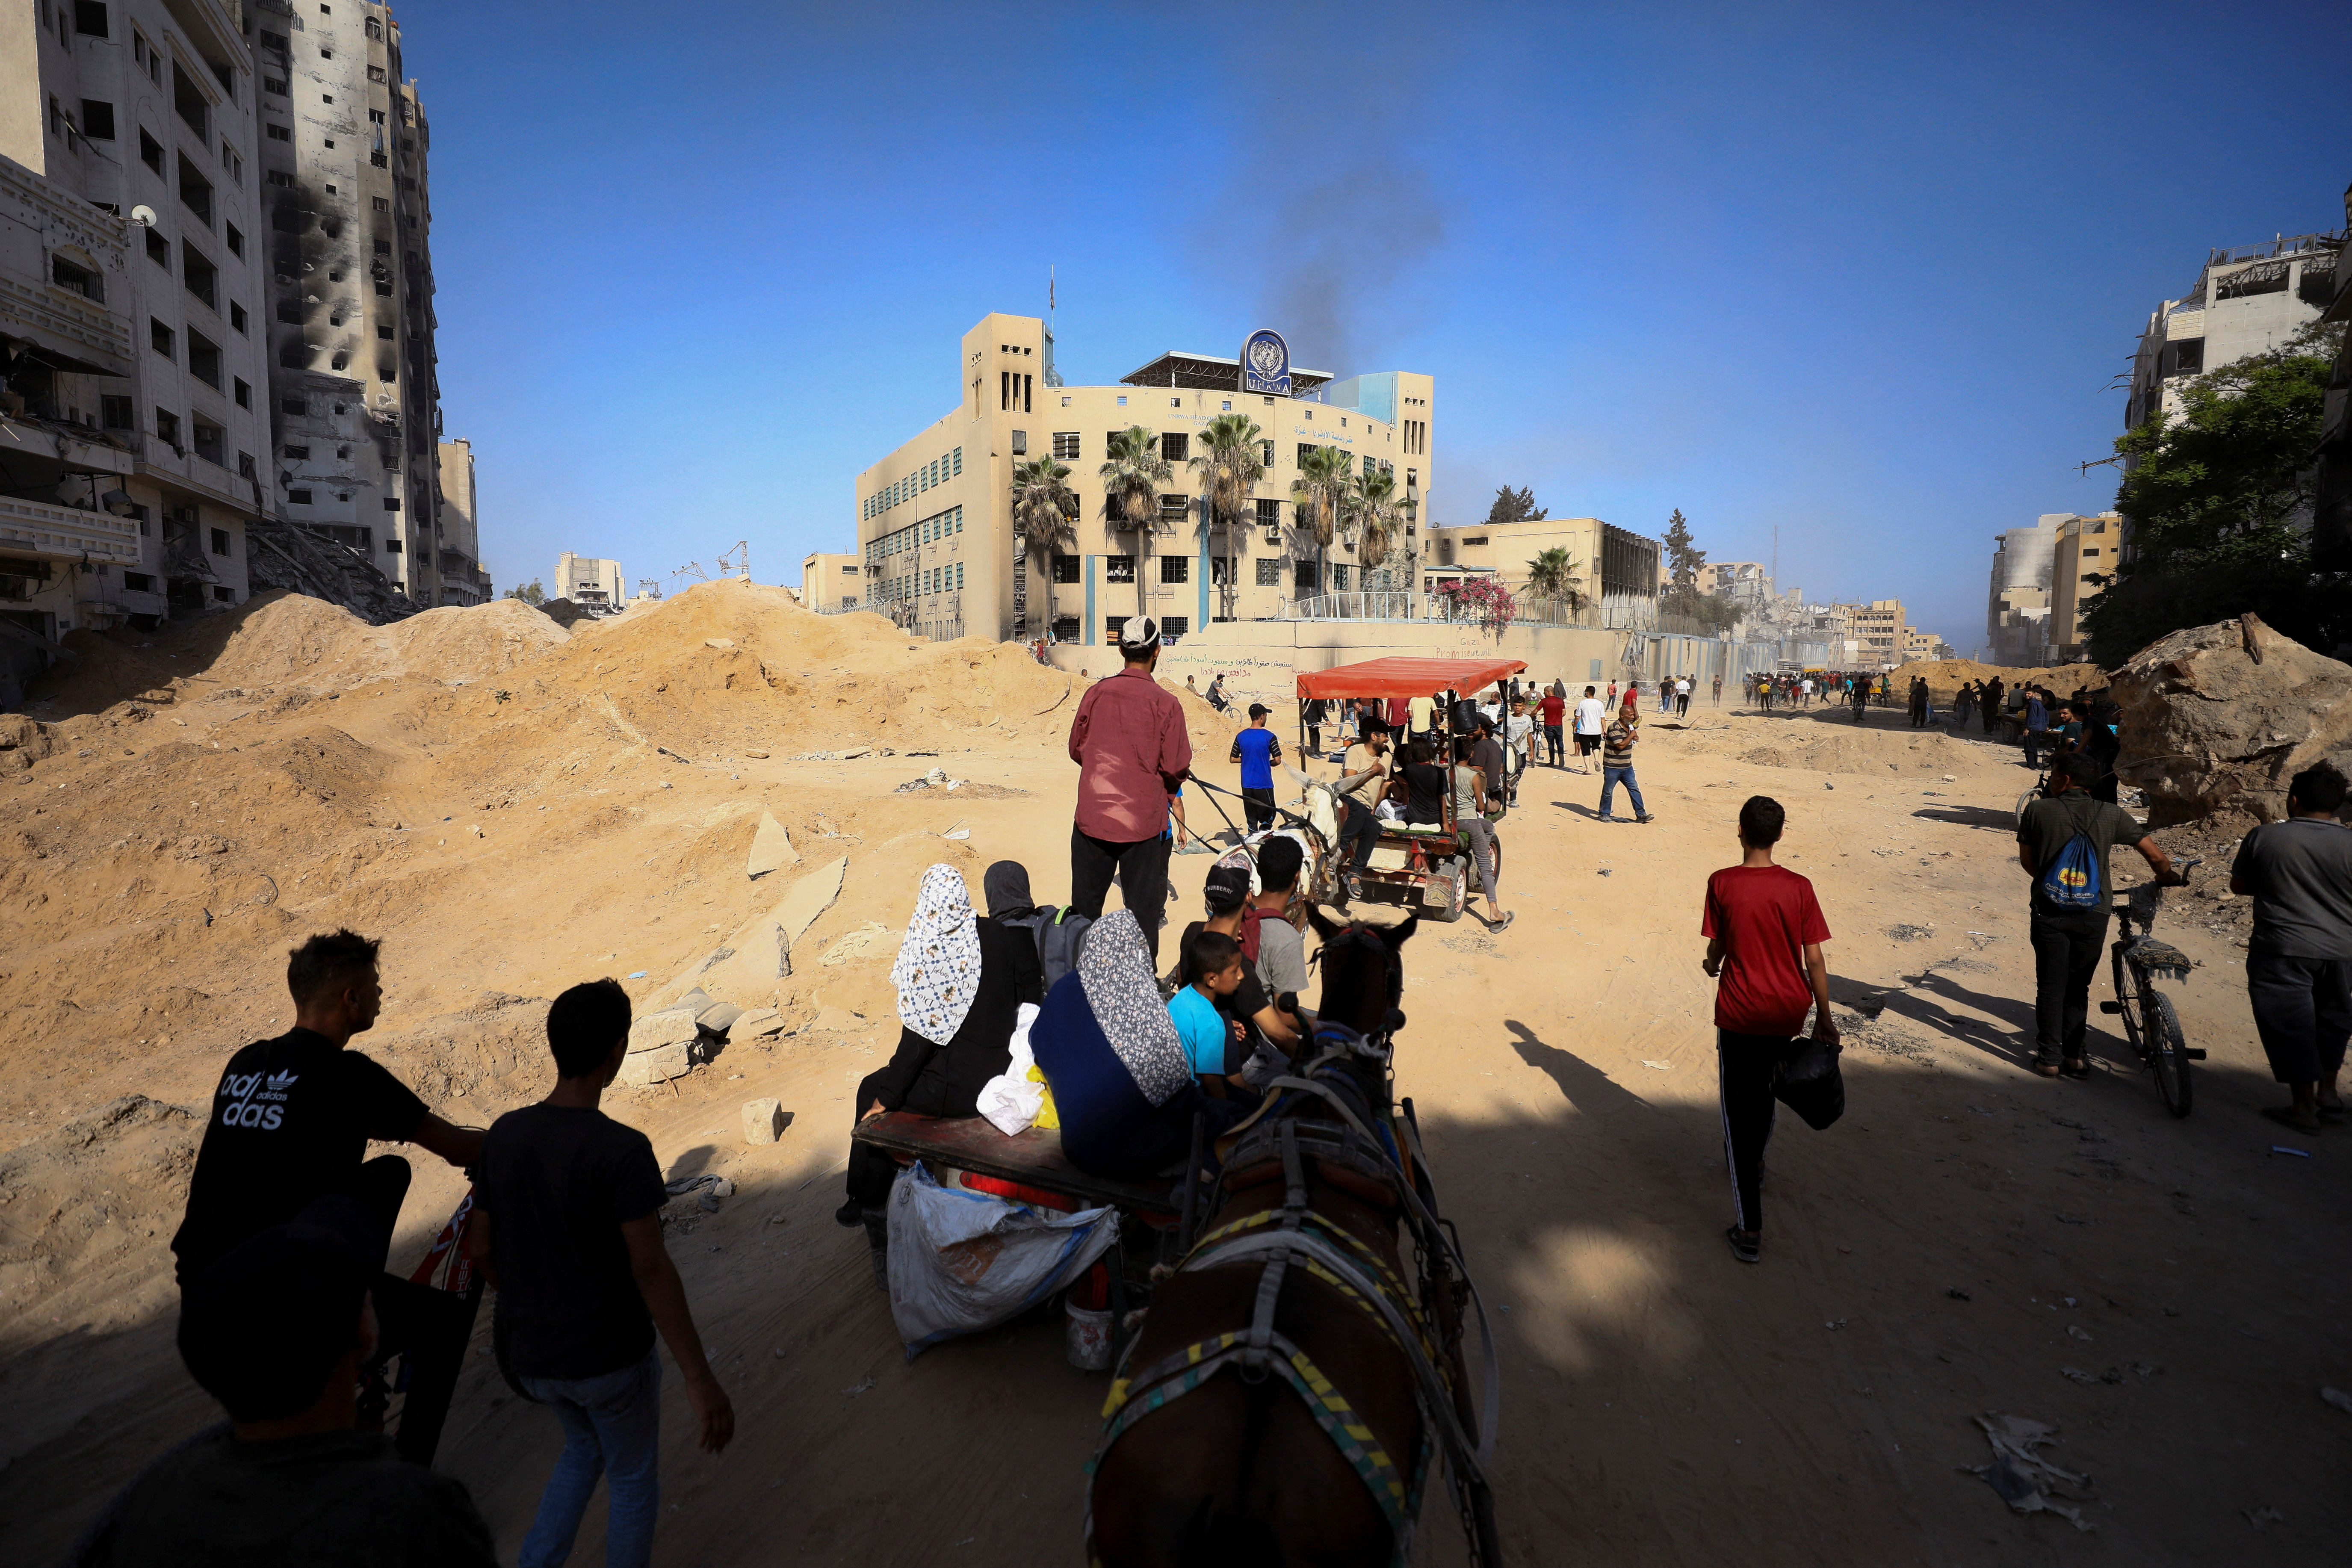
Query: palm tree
(1230, 463)
(1552, 576)
(1318, 496)
(1132, 473)
(1043, 507)
(1372, 511)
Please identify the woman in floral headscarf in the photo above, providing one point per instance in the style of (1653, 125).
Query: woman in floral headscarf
(957, 1006)
(1122, 1085)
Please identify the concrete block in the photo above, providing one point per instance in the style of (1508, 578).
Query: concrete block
(757, 1024)
(658, 1065)
(771, 848)
(763, 1120)
(717, 1018)
(669, 1026)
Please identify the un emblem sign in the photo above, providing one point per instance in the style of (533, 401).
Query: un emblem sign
(1265, 363)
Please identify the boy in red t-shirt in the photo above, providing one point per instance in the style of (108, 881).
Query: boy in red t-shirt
(1764, 932)
(1554, 709)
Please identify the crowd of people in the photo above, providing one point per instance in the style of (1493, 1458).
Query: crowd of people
(288, 1310)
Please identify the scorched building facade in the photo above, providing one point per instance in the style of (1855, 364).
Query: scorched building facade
(935, 529)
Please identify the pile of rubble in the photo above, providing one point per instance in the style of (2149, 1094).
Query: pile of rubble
(2216, 718)
(288, 556)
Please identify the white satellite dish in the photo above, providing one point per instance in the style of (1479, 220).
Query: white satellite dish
(143, 217)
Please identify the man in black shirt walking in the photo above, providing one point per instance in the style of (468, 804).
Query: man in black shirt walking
(289, 1123)
(567, 1224)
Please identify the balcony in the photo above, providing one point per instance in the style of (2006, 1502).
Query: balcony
(67, 533)
(77, 333)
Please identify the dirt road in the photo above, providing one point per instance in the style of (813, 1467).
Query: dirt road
(1964, 1237)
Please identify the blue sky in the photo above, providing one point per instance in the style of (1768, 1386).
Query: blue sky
(1860, 273)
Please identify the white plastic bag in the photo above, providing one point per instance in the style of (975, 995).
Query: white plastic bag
(961, 1261)
(1011, 1100)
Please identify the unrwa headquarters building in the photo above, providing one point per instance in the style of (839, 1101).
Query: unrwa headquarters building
(937, 548)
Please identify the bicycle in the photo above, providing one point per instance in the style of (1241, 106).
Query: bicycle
(2150, 1026)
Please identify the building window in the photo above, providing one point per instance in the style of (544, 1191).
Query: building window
(1175, 625)
(1122, 403)
(224, 592)
(210, 442)
(2187, 357)
(1065, 446)
(151, 153)
(189, 102)
(291, 311)
(167, 427)
(1118, 568)
(1303, 578)
(204, 360)
(90, 18)
(1112, 627)
(392, 503)
(97, 119)
(1175, 569)
(1066, 568)
(159, 337)
(1339, 576)
(198, 276)
(1269, 571)
(1270, 513)
(1305, 447)
(138, 582)
(297, 498)
(76, 280)
(1021, 443)
(1067, 629)
(1175, 446)
(391, 546)
(237, 315)
(114, 413)
(279, 133)
(244, 394)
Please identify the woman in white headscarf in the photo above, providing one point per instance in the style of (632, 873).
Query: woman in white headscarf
(1123, 1087)
(957, 1006)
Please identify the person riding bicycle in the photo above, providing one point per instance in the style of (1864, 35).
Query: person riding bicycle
(290, 1123)
(2063, 841)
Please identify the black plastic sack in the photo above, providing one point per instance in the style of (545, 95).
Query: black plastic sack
(1810, 1084)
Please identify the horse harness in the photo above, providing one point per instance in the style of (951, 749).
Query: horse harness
(1352, 1157)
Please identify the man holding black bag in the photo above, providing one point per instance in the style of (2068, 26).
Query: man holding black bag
(1764, 932)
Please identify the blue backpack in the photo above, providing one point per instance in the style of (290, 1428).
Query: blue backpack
(2071, 881)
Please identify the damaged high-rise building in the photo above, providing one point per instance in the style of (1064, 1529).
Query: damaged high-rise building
(354, 398)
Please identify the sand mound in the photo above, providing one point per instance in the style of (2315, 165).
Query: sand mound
(307, 642)
(1824, 747)
(1945, 676)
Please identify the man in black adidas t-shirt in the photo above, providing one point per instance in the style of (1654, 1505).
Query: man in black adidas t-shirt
(290, 1123)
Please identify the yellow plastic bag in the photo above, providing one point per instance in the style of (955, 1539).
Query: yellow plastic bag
(1047, 1115)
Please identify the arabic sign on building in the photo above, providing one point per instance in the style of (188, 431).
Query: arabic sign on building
(1265, 363)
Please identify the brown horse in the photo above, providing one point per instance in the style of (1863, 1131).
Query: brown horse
(1269, 1413)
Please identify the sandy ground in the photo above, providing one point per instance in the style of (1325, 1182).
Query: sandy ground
(1965, 1234)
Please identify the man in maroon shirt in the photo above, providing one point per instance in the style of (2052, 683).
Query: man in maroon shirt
(1760, 918)
(1133, 753)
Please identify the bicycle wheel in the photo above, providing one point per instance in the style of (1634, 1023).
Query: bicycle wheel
(2028, 798)
(2128, 1003)
(2167, 1052)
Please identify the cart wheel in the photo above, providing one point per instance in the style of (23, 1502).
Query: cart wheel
(1460, 900)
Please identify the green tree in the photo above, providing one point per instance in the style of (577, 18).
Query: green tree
(1043, 508)
(529, 592)
(1552, 576)
(1132, 472)
(1319, 498)
(1682, 561)
(1229, 464)
(1515, 506)
(2217, 501)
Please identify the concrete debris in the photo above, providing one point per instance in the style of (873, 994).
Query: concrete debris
(758, 1023)
(763, 1120)
(286, 555)
(810, 898)
(2216, 718)
(936, 779)
(2018, 1472)
(771, 848)
(853, 944)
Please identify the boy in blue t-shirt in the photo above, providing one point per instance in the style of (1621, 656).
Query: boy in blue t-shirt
(1213, 964)
(1258, 750)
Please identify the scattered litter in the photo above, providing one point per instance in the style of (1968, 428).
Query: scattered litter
(855, 1390)
(2260, 1517)
(2283, 1148)
(2076, 1333)
(957, 833)
(1951, 778)
(1661, 1066)
(637, 974)
(1957, 1294)
(2021, 1475)
(2076, 1374)
(1910, 933)
(1834, 1324)
(2339, 1398)
(2070, 1219)
(1604, 871)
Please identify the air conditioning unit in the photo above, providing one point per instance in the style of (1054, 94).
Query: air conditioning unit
(1273, 537)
